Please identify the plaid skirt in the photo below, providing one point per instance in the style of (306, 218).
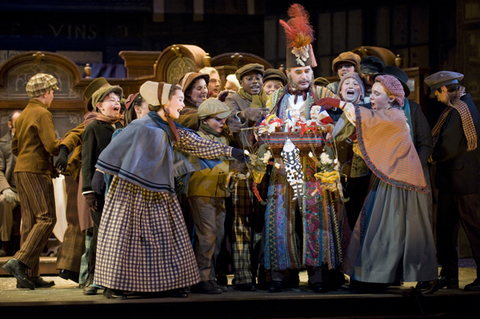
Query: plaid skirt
(143, 244)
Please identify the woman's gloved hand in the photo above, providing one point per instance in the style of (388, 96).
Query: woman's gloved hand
(238, 154)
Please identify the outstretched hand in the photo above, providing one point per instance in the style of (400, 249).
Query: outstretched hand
(329, 102)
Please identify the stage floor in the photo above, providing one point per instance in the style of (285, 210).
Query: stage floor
(66, 300)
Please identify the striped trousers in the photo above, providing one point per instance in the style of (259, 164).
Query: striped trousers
(38, 217)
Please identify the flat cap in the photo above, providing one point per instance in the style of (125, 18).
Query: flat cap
(248, 68)
(275, 74)
(102, 92)
(321, 81)
(213, 107)
(371, 65)
(41, 83)
(439, 79)
(349, 57)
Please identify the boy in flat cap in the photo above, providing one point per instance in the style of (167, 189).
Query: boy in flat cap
(456, 155)
(344, 63)
(97, 135)
(273, 79)
(34, 144)
(207, 199)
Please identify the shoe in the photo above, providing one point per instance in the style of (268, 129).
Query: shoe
(245, 287)
(474, 286)
(276, 286)
(89, 289)
(217, 285)
(38, 282)
(205, 287)
(335, 279)
(222, 280)
(3, 253)
(69, 275)
(114, 294)
(17, 269)
(427, 287)
(448, 282)
(320, 287)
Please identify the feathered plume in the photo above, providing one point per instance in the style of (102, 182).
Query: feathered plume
(298, 32)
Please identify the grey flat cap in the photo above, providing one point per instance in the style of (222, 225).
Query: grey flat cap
(439, 79)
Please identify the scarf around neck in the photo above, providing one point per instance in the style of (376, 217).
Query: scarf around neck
(209, 130)
(467, 121)
(258, 101)
(107, 119)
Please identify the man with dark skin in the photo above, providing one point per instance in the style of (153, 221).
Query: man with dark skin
(248, 107)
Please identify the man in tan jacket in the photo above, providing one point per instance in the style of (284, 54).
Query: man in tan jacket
(34, 144)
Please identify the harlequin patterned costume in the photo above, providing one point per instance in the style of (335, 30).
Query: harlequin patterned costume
(293, 167)
(325, 228)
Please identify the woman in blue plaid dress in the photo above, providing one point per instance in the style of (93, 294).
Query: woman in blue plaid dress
(143, 244)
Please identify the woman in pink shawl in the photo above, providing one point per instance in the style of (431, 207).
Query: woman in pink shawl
(392, 239)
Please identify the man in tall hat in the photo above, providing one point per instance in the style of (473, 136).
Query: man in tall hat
(322, 213)
(456, 155)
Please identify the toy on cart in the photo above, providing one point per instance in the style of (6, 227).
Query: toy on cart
(307, 136)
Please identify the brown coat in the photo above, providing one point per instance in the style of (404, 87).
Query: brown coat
(34, 142)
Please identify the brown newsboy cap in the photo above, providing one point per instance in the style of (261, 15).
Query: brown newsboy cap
(248, 68)
(349, 57)
(102, 92)
(275, 74)
(41, 83)
(439, 79)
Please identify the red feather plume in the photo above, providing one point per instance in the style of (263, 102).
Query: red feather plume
(298, 30)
